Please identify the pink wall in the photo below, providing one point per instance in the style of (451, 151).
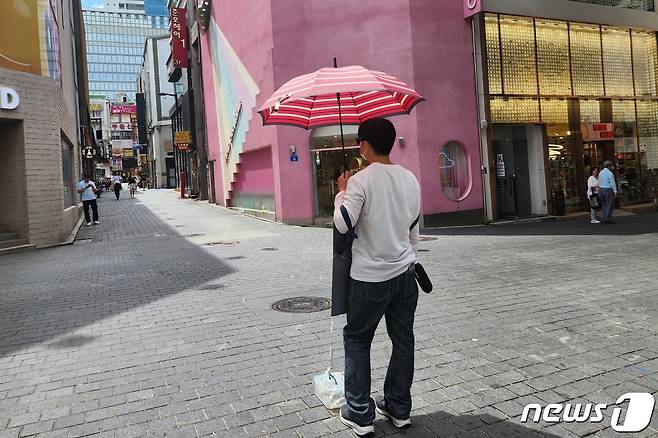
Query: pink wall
(255, 172)
(423, 42)
(336, 28)
(445, 75)
(212, 128)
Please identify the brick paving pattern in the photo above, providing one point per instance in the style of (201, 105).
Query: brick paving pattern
(141, 328)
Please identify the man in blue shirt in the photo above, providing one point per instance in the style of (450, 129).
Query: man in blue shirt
(87, 190)
(607, 191)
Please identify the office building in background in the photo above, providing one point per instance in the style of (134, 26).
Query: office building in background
(115, 35)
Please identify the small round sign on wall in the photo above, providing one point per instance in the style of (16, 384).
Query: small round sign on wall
(471, 4)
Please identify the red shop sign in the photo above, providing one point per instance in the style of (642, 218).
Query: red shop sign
(179, 38)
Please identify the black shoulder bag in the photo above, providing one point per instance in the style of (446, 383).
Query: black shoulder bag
(342, 263)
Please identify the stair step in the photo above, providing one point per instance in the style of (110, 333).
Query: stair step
(17, 248)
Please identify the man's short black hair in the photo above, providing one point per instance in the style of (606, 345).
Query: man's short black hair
(380, 133)
(87, 176)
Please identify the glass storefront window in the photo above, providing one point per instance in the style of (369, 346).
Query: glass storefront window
(455, 172)
(617, 61)
(647, 119)
(561, 153)
(586, 60)
(626, 150)
(493, 54)
(553, 57)
(645, 63)
(583, 75)
(518, 47)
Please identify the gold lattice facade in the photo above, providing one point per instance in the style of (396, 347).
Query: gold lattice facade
(567, 75)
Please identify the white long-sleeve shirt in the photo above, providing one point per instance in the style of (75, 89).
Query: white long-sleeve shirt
(382, 201)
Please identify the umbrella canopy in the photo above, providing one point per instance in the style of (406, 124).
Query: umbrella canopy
(312, 100)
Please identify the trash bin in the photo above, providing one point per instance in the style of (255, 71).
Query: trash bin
(558, 203)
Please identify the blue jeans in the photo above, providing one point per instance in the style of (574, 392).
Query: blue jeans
(367, 303)
(608, 200)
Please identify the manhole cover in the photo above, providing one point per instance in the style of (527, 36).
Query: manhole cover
(222, 243)
(302, 305)
(426, 238)
(269, 249)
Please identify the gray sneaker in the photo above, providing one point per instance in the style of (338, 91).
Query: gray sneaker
(380, 405)
(360, 428)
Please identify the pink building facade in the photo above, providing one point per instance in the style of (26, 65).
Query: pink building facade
(288, 174)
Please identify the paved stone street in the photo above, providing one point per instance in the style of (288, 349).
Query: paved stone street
(158, 322)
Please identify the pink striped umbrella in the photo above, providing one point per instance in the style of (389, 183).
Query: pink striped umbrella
(338, 96)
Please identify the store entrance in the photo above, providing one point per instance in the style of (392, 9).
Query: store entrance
(327, 165)
(520, 171)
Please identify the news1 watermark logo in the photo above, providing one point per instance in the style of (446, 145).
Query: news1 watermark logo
(638, 414)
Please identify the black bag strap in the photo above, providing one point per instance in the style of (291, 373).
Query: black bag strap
(348, 222)
(414, 224)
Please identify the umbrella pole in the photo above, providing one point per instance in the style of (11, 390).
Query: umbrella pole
(340, 121)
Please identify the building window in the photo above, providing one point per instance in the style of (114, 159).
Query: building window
(68, 182)
(455, 171)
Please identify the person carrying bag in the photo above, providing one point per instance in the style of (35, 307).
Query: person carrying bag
(376, 237)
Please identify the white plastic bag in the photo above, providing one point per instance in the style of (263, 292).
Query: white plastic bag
(330, 388)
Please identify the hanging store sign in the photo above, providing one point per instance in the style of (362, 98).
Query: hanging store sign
(179, 38)
(122, 126)
(598, 131)
(183, 147)
(472, 7)
(128, 153)
(88, 152)
(9, 99)
(183, 137)
(124, 109)
(116, 164)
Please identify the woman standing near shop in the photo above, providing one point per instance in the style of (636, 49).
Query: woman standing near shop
(593, 195)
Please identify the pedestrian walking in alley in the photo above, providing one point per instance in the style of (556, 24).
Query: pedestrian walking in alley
(132, 185)
(593, 195)
(116, 182)
(382, 201)
(607, 191)
(88, 190)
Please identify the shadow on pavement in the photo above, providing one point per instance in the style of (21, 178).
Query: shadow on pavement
(131, 259)
(624, 226)
(443, 424)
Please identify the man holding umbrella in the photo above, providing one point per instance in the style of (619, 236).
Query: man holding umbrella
(383, 201)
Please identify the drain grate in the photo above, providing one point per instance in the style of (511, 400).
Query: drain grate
(423, 250)
(269, 249)
(193, 235)
(302, 305)
(236, 258)
(426, 238)
(222, 242)
(82, 241)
